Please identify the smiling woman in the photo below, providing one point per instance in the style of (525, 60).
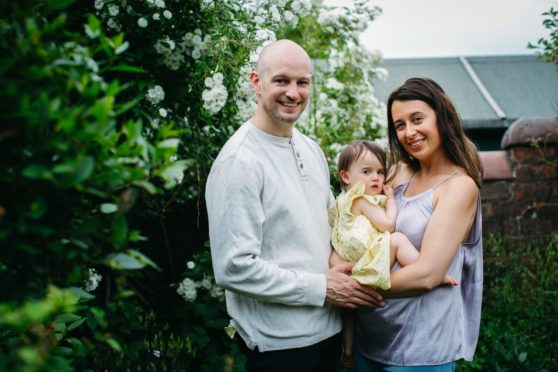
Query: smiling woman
(437, 196)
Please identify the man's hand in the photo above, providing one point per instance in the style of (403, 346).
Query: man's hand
(344, 291)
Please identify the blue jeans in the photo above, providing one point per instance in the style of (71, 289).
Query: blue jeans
(363, 364)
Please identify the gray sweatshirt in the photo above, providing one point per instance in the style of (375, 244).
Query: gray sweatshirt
(267, 200)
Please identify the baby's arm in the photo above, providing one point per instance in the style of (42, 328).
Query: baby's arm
(383, 220)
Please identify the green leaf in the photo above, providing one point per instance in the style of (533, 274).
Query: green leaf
(62, 350)
(122, 261)
(174, 173)
(80, 293)
(76, 324)
(37, 208)
(143, 259)
(36, 172)
(169, 143)
(66, 318)
(119, 229)
(114, 344)
(60, 4)
(147, 186)
(127, 68)
(108, 208)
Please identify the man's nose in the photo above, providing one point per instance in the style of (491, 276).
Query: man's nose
(292, 91)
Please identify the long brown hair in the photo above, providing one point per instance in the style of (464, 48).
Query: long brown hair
(459, 148)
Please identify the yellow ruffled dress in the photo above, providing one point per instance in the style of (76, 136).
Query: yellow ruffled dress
(355, 239)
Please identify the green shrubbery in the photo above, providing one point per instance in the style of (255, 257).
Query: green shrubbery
(520, 307)
(111, 113)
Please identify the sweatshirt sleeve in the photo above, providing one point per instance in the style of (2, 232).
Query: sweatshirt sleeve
(236, 219)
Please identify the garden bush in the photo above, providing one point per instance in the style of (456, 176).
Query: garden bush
(111, 115)
(520, 307)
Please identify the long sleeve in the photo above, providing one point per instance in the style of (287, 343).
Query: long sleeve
(237, 221)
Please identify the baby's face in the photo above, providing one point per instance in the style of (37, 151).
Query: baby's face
(368, 169)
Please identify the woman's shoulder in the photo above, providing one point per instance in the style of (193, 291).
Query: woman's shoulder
(461, 186)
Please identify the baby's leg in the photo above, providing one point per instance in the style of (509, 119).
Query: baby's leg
(348, 335)
(402, 250)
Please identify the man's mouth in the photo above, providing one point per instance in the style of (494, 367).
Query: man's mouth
(288, 104)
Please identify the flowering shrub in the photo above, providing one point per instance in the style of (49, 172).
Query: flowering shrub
(112, 112)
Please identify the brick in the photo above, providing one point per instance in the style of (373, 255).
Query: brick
(524, 191)
(522, 154)
(511, 227)
(554, 190)
(487, 210)
(535, 227)
(544, 172)
(523, 173)
(546, 210)
(500, 190)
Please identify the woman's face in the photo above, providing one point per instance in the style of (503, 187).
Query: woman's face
(416, 128)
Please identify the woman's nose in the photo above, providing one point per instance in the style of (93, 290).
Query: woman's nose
(410, 131)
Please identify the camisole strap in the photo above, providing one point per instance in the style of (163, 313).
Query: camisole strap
(445, 179)
(409, 182)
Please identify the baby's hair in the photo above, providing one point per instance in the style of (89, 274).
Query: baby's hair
(353, 151)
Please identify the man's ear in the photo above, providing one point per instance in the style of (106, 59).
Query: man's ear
(256, 82)
(344, 175)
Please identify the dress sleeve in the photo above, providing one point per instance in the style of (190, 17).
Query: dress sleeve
(236, 219)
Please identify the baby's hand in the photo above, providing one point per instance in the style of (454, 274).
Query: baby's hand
(388, 190)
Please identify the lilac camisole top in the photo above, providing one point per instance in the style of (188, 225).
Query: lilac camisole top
(435, 327)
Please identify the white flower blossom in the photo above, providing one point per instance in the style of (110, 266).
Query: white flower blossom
(205, 283)
(163, 112)
(114, 10)
(265, 35)
(111, 23)
(215, 97)
(142, 22)
(217, 292)
(190, 265)
(92, 282)
(259, 20)
(99, 4)
(333, 83)
(187, 289)
(291, 18)
(167, 14)
(156, 16)
(155, 94)
(159, 3)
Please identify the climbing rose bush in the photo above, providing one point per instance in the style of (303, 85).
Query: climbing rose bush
(113, 112)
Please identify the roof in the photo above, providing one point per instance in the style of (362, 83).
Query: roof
(514, 86)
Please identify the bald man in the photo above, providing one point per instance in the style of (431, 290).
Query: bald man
(267, 198)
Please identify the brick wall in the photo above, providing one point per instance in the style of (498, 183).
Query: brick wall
(520, 183)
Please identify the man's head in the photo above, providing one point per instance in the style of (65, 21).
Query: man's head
(282, 82)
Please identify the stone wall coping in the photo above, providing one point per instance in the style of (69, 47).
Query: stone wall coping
(496, 165)
(524, 131)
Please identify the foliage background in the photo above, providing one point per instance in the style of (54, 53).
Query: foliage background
(111, 113)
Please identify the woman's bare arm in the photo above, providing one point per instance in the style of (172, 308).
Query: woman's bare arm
(454, 212)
